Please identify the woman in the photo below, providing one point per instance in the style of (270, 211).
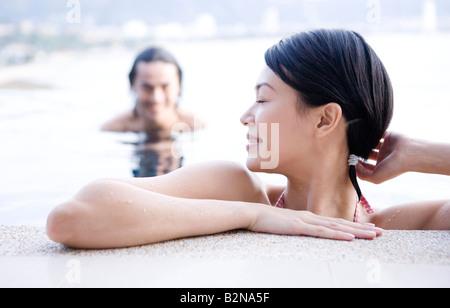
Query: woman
(326, 97)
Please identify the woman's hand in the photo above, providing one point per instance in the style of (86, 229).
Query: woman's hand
(290, 222)
(397, 154)
(390, 158)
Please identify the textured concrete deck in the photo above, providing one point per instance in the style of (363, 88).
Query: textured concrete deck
(233, 259)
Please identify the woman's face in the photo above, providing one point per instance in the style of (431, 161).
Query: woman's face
(279, 135)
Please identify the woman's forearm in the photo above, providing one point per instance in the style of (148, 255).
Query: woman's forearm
(109, 214)
(114, 214)
(427, 157)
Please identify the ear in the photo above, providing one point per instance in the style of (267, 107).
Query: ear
(329, 116)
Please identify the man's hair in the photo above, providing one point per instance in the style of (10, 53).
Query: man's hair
(154, 54)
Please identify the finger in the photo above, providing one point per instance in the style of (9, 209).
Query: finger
(348, 226)
(324, 232)
(363, 231)
(380, 143)
(364, 170)
(374, 155)
(376, 174)
(375, 152)
(350, 235)
(366, 165)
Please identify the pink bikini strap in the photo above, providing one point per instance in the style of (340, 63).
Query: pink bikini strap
(280, 202)
(365, 204)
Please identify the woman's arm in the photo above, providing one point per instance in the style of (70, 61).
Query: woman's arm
(427, 157)
(398, 154)
(427, 215)
(136, 211)
(196, 200)
(110, 213)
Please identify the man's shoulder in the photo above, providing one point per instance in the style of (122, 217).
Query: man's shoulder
(124, 122)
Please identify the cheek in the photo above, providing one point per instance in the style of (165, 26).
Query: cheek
(173, 93)
(275, 127)
(170, 100)
(141, 95)
(295, 138)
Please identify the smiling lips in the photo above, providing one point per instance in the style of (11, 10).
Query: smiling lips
(253, 141)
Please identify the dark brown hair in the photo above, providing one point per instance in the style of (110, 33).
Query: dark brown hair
(154, 54)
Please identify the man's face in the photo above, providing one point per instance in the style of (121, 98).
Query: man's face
(157, 87)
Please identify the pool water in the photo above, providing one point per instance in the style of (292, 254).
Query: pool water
(51, 144)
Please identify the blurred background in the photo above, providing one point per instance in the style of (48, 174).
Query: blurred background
(64, 71)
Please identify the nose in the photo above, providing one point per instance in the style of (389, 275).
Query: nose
(157, 96)
(248, 118)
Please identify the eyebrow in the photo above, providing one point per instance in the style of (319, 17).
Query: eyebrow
(152, 86)
(262, 84)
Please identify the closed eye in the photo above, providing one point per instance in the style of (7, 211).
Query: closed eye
(260, 101)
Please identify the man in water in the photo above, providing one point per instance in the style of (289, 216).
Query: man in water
(155, 80)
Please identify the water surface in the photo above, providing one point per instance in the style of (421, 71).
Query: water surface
(51, 144)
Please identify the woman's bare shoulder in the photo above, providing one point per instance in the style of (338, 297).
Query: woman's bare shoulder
(219, 180)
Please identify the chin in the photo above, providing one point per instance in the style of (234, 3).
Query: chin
(252, 165)
(257, 165)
